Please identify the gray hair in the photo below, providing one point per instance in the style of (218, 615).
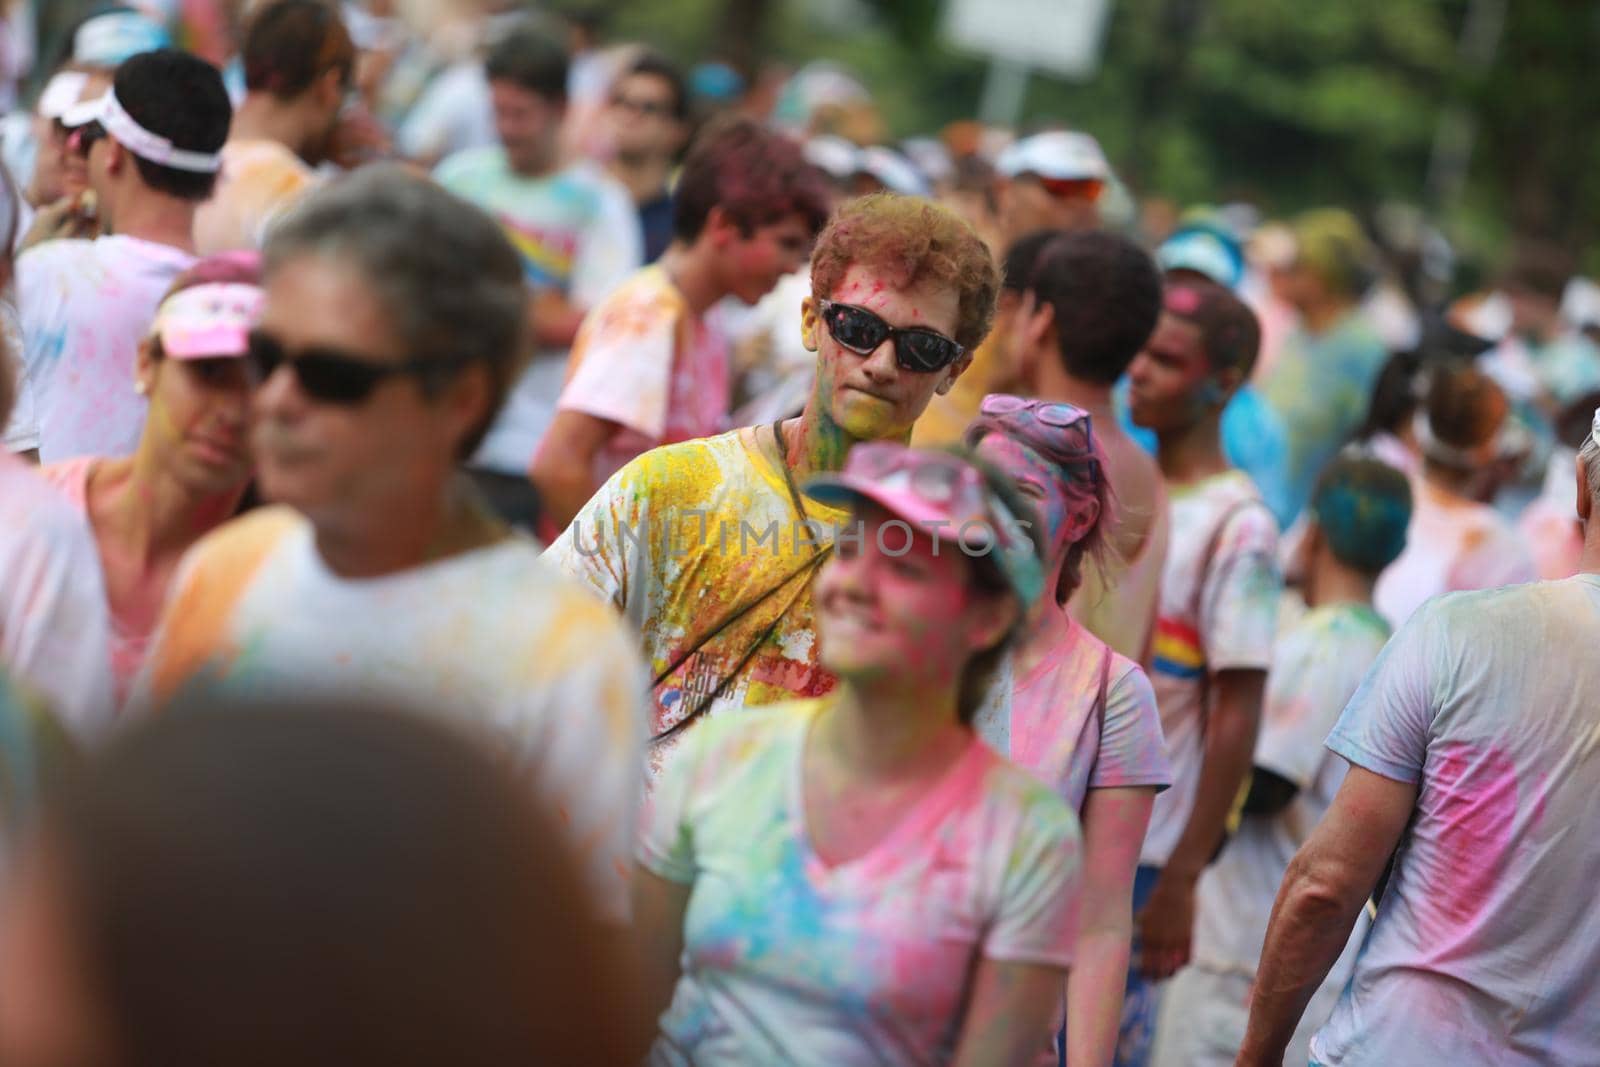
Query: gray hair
(1589, 456)
(449, 279)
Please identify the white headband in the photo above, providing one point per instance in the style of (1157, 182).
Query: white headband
(109, 112)
(1594, 427)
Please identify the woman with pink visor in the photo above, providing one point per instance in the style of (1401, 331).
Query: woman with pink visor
(192, 465)
(858, 879)
(1083, 718)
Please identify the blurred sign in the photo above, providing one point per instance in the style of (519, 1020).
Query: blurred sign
(1063, 36)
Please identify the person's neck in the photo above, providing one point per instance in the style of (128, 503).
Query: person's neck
(261, 117)
(1589, 560)
(154, 515)
(644, 176)
(1320, 316)
(692, 268)
(159, 219)
(1450, 484)
(1062, 388)
(815, 444)
(889, 730)
(1194, 453)
(416, 529)
(1334, 583)
(541, 164)
(1051, 630)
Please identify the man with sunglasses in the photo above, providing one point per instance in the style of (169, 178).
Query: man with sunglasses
(298, 65)
(1215, 629)
(574, 226)
(708, 547)
(393, 320)
(648, 367)
(151, 145)
(1051, 181)
(648, 120)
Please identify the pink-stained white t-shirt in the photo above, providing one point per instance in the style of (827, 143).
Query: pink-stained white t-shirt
(128, 641)
(1218, 613)
(1061, 734)
(645, 362)
(260, 180)
(1452, 545)
(53, 632)
(1486, 945)
(493, 639)
(85, 306)
(789, 960)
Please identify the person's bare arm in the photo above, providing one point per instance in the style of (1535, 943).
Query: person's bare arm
(1009, 1018)
(1114, 824)
(1323, 891)
(1166, 925)
(659, 906)
(563, 467)
(555, 319)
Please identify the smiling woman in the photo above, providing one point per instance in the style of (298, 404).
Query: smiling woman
(860, 878)
(192, 465)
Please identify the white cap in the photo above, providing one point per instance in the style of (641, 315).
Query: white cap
(1580, 304)
(835, 155)
(108, 111)
(894, 171)
(61, 93)
(1058, 155)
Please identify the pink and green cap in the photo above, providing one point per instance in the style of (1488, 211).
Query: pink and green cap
(942, 495)
(208, 321)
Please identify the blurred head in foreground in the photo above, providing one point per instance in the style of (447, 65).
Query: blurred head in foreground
(311, 885)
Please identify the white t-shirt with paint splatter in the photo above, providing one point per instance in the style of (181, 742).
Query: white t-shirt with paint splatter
(1486, 946)
(1218, 613)
(490, 638)
(789, 960)
(85, 306)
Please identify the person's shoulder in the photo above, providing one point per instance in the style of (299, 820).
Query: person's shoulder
(36, 506)
(744, 733)
(470, 163)
(240, 544)
(1019, 793)
(1236, 499)
(592, 182)
(686, 463)
(61, 254)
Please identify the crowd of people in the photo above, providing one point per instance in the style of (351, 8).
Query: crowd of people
(513, 550)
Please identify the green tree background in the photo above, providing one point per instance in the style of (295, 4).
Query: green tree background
(1290, 103)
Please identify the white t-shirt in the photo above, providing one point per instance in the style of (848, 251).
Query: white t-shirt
(1486, 948)
(577, 232)
(492, 638)
(1316, 668)
(54, 635)
(1058, 734)
(1452, 545)
(85, 306)
(1217, 614)
(788, 960)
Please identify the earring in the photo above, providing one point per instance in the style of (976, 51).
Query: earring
(140, 388)
(944, 387)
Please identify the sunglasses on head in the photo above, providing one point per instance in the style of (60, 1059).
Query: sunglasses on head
(861, 331)
(331, 376)
(1061, 433)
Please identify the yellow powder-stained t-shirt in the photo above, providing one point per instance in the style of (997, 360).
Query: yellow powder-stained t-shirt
(699, 545)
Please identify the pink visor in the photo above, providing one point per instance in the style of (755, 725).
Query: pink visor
(208, 321)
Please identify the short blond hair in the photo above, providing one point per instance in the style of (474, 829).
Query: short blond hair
(911, 242)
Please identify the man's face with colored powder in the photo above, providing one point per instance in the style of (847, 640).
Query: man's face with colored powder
(872, 397)
(1170, 383)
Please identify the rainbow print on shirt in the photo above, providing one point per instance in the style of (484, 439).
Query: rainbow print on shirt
(1178, 653)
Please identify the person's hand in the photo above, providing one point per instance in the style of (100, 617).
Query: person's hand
(70, 217)
(1165, 927)
(358, 138)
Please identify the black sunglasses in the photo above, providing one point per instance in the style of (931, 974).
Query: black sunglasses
(331, 376)
(82, 138)
(915, 348)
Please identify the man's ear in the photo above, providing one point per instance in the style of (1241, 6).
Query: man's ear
(719, 229)
(810, 322)
(953, 372)
(1585, 493)
(116, 158)
(1223, 384)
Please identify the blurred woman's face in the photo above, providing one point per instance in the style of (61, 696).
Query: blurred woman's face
(199, 418)
(48, 1013)
(894, 605)
(1040, 481)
